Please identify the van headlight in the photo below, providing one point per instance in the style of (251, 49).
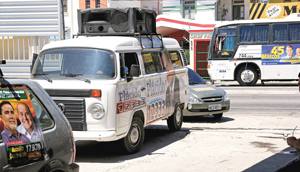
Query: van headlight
(96, 110)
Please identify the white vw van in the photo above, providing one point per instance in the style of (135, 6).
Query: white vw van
(111, 87)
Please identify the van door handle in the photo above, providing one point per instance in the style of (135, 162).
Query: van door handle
(143, 89)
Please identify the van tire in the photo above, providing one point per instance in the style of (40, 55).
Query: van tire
(175, 121)
(134, 139)
(247, 76)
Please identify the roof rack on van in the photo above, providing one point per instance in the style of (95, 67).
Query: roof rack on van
(150, 40)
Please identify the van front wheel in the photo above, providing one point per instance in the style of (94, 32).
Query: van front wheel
(134, 139)
(175, 121)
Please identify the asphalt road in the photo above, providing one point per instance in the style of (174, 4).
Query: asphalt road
(249, 138)
(264, 100)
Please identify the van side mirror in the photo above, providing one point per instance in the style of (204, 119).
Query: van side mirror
(34, 57)
(135, 70)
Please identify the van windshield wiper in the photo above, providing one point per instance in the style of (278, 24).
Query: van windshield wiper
(77, 76)
(44, 76)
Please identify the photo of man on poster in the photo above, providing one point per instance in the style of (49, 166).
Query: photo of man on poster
(288, 52)
(28, 124)
(10, 135)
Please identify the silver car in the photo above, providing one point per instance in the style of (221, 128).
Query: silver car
(205, 99)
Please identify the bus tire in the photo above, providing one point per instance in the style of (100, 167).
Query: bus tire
(134, 139)
(175, 121)
(247, 76)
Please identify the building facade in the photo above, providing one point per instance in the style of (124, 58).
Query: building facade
(23, 32)
(255, 9)
(191, 22)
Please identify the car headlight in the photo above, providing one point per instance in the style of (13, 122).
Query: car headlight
(97, 111)
(194, 99)
(225, 97)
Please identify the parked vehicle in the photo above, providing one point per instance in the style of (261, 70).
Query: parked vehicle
(205, 99)
(114, 86)
(34, 134)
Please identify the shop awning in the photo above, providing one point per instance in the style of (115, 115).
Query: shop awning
(178, 27)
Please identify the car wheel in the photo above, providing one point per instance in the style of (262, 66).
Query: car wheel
(218, 116)
(175, 121)
(247, 76)
(134, 139)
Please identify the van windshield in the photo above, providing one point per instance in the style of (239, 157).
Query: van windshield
(73, 62)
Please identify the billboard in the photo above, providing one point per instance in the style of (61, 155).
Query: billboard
(273, 10)
(280, 54)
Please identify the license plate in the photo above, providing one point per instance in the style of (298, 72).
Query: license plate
(214, 107)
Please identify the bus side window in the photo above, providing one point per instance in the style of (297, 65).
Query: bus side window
(226, 42)
(294, 30)
(280, 32)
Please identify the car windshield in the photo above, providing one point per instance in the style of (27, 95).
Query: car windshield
(195, 78)
(74, 62)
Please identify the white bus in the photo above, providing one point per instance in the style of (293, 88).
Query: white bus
(249, 50)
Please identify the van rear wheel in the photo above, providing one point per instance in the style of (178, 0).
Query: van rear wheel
(134, 139)
(175, 121)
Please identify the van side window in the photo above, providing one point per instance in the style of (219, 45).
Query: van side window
(176, 59)
(129, 59)
(153, 62)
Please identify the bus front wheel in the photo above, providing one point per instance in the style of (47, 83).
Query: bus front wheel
(247, 76)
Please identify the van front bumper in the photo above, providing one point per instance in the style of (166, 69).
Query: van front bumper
(100, 136)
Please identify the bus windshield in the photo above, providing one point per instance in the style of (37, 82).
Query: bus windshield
(72, 62)
(225, 41)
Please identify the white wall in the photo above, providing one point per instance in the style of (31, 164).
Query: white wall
(205, 10)
(71, 18)
(172, 8)
(124, 3)
(30, 18)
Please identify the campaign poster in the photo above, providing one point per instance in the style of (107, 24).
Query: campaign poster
(20, 129)
(280, 54)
